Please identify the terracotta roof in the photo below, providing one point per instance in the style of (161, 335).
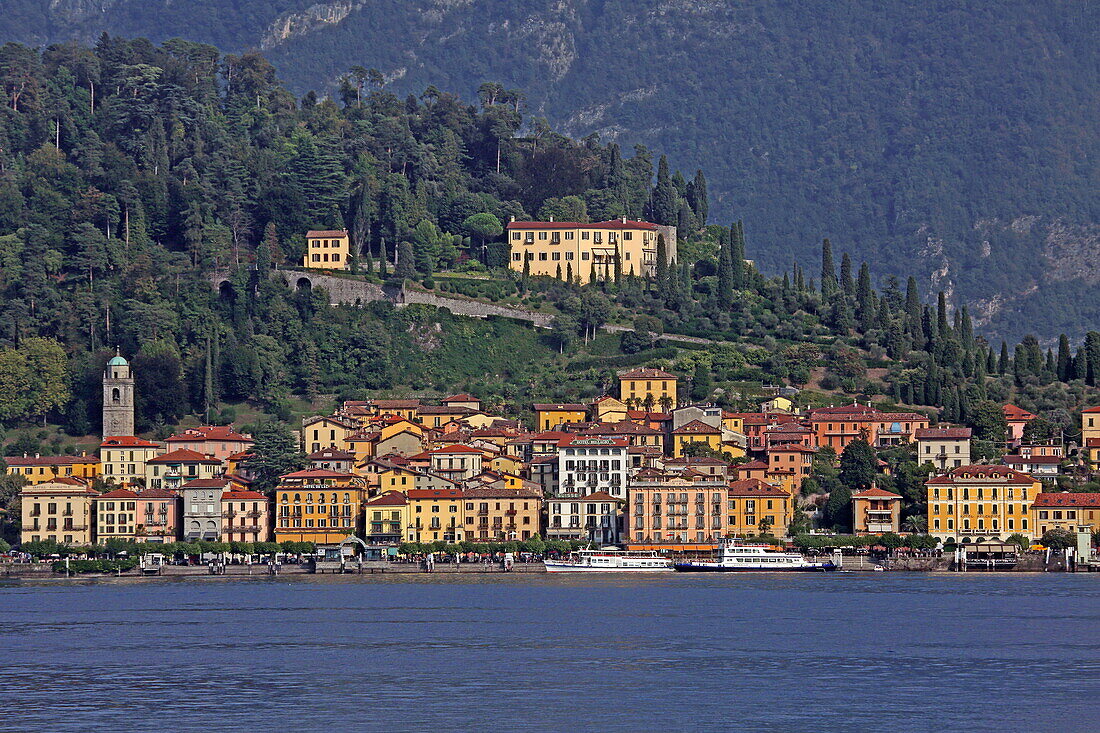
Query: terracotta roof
(332, 454)
(875, 493)
(49, 460)
(183, 455)
(445, 410)
(243, 495)
(752, 465)
(697, 427)
(1091, 409)
(126, 441)
(435, 493)
(349, 424)
(624, 427)
(983, 472)
(650, 416)
(943, 433)
(461, 398)
(118, 494)
(317, 473)
(559, 407)
(390, 498)
(790, 449)
(1013, 459)
(583, 441)
(205, 483)
(158, 494)
(314, 233)
(754, 487)
(396, 404)
(503, 492)
(646, 373)
(612, 224)
(1012, 412)
(208, 432)
(455, 449)
(696, 461)
(1092, 442)
(1066, 498)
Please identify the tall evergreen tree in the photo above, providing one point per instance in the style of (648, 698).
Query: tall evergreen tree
(828, 271)
(697, 198)
(725, 271)
(847, 284)
(1064, 363)
(1002, 363)
(663, 204)
(737, 255)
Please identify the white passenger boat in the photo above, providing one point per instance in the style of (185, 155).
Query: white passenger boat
(610, 559)
(735, 556)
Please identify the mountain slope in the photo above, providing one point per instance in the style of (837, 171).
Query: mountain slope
(959, 142)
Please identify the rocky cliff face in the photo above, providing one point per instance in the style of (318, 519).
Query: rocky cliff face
(297, 24)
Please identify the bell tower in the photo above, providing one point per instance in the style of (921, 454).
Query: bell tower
(118, 397)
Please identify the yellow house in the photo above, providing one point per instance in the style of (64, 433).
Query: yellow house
(505, 464)
(327, 249)
(609, 409)
(435, 515)
(734, 421)
(695, 431)
(648, 388)
(754, 507)
(317, 505)
(1090, 424)
(320, 432)
(41, 469)
(970, 504)
(408, 409)
(1065, 510)
(778, 403)
(123, 458)
(396, 478)
(59, 510)
(386, 517)
(550, 415)
(602, 251)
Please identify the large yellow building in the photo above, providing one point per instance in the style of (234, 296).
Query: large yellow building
(435, 515)
(59, 510)
(124, 457)
(41, 469)
(695, 431)
(604, 250)
(973, 503)
(649, 388)
(327, 249)
(1090, 436)
(386, 517)
(550, 415)
(317, 505)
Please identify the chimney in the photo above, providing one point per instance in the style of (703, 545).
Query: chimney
(37, 455)
(624, 220)
(551, 218)
(512, 218)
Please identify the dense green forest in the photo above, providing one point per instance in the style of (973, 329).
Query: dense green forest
(128, 172)
(953, 143)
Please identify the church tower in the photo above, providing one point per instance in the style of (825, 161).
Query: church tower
(118, 398)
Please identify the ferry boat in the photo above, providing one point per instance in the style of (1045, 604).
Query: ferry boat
(610, 559)
(737, 556)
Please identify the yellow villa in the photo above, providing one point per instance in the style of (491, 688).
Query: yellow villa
(970, 504)
(124, 458)
(59, 510)
(435, 515)
(327, 249)
(43, 469)
(320, 432)
(602, 251)
(649, 388)
(754, 507)
(317, 505)
(695, 431)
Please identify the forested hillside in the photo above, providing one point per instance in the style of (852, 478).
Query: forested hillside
(955, 143)
(129, 172)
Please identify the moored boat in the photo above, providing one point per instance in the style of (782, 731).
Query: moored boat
(737, 556)
(610, 559)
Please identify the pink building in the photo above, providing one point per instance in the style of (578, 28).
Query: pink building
(1017, 419)
(246, 516)
(219, 441)
(156, 516)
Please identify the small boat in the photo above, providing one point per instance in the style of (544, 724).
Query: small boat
(737, 556)
(610, 559)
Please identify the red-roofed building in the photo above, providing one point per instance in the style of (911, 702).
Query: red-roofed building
(456, 462)
(795, 458)
(688, 507)
(317, 505)
(836, 427)
(115, 515)
(875, 511)
(59, 510)
(463, 400)
(219, 441)
(589, 464)
(970, 504)
(1065, 510)
(123, 458)
(38, 469)
(327, 249)
(1017, 419)
(246, 516)
(171, 470)
(944, 448)
(757, 507)
(1090, 425)
(435, 515)
(647, 388)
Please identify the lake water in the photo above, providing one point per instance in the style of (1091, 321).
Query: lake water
(840, 652)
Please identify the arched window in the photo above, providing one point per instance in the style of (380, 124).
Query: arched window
(116, 395)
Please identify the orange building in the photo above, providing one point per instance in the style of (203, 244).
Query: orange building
(318, 506)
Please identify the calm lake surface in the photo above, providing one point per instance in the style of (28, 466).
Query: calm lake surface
(842, 652)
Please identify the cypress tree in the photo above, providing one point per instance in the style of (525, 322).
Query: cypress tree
(865, 299)
(737, 255)
(697, 191)
(828, 272)
(990, 362)
(847, 284)
(661, 273)
(1002, 364)
(913, 312)
(663, 200)
(966, 330)
(1064, 363)
(1092, 358)
(725, 271)
(943, 330)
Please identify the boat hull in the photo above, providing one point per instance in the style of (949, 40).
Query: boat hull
(705, 567)
(554, 567)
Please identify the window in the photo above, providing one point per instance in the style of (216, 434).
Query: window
(516, 236)
(542, 236)
(568, 255)
(584, 235)
(584, 255)
(569, 235)
(628, 236)
(542, 256)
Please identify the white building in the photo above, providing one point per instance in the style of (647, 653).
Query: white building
(944, 448)
(590, 464)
